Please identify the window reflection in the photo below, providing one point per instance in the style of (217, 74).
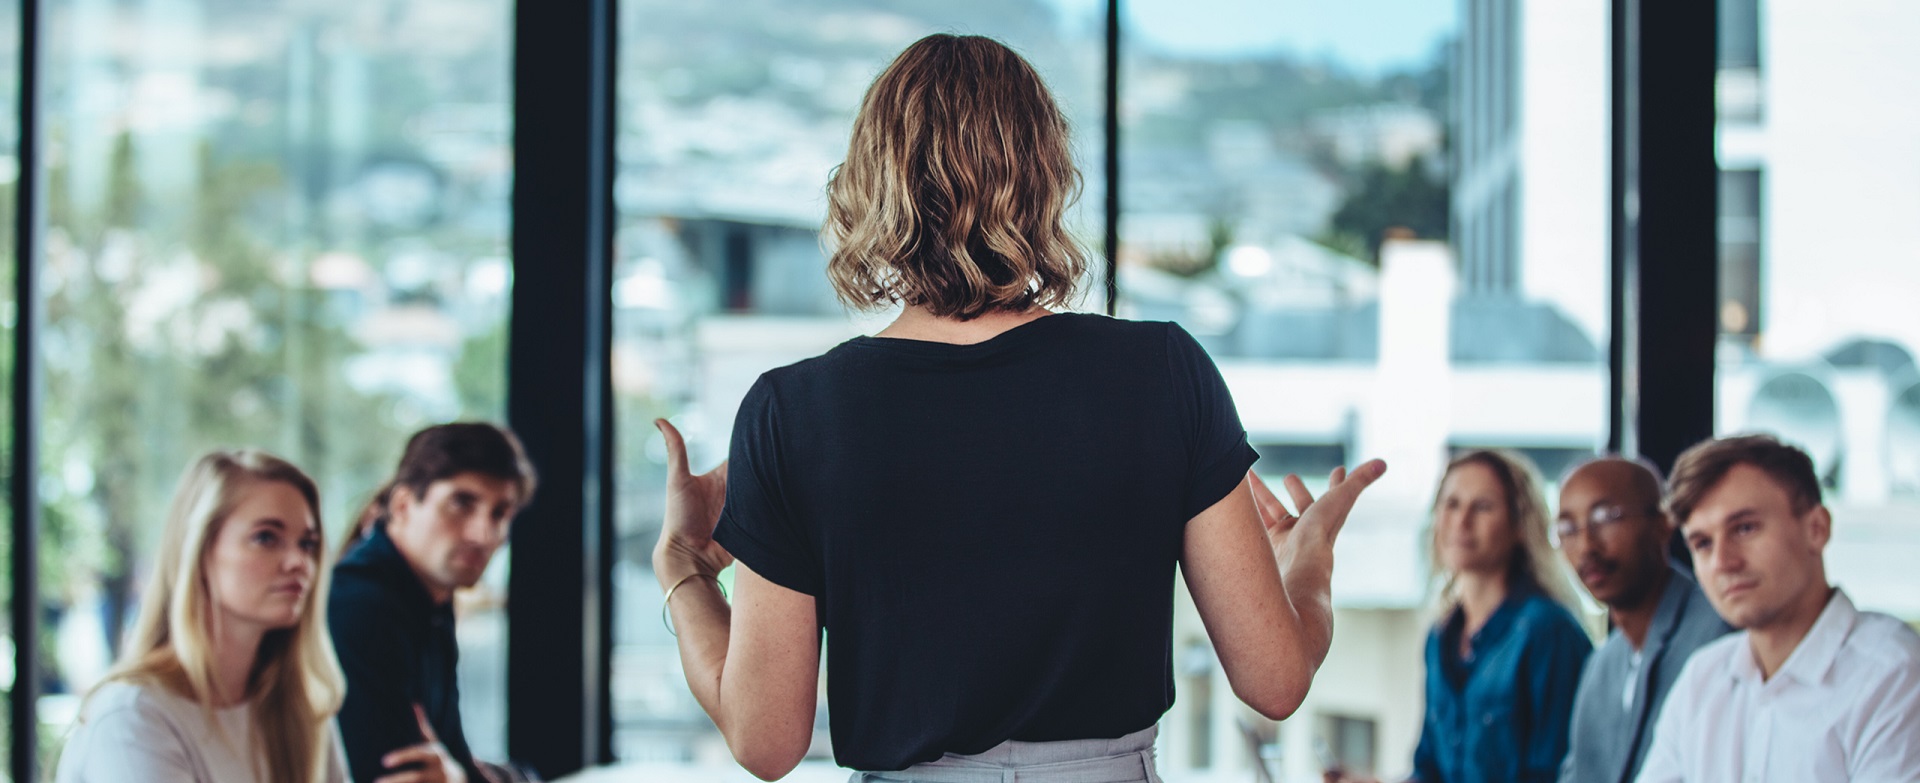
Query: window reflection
(1817, 338)
(1391, 234)
(267, 225)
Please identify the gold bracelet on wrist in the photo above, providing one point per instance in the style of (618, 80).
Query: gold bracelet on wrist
(666, 616)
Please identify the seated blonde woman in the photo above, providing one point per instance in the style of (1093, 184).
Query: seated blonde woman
(229, 676)
(1504, 661)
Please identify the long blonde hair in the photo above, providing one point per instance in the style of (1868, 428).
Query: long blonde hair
(296, 685)
(1533, 563)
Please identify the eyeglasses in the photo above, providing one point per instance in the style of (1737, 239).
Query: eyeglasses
(1601, 519)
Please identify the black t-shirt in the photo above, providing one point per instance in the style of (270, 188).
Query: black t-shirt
(990, 530)
(397, 649)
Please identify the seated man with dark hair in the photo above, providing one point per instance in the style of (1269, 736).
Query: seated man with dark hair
(429, 531)
(1614, 536)
(1811, 689)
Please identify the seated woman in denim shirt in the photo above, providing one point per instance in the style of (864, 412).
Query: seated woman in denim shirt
(1505, 659)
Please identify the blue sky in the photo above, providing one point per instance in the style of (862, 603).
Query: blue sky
(1367, 35)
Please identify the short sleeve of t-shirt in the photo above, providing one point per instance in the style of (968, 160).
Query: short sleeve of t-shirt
(757, 525)
(1217, 452)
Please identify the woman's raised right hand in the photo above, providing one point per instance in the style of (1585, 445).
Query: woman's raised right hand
(1320, 520)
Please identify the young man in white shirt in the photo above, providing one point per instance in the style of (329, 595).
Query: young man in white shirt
(1811, 689)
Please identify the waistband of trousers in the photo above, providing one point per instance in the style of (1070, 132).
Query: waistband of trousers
(1129, 757)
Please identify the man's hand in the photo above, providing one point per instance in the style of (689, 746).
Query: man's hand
(500, 773)
(686, 543)
(436, 764)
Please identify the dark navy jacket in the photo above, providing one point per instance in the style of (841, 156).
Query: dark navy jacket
(1502, 713)
(397, 649)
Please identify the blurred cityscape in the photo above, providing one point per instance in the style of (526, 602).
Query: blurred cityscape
(286, 226)
(282, 226)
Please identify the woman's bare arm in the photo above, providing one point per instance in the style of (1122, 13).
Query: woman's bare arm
(1261, 578)
(753, 666)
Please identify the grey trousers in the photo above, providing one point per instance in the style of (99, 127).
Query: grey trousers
(1128, 759)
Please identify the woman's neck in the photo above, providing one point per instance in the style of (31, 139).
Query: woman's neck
(1480, 594)
(919, 323)
(235, 645)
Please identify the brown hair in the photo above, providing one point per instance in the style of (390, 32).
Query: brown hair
(1702, 467)
(954, 189)
(1533, 565)
(442, 452)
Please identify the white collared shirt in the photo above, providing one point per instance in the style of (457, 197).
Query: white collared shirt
(1844, 707)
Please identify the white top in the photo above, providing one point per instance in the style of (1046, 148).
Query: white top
(1632, 679)
(1844, 707)
(139, 734)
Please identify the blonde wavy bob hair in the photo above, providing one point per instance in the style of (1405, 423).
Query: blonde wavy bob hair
(296, 685)
(1533, 564)
(955, 186)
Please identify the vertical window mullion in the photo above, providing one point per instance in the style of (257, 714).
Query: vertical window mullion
(1112, 160)
(25, 528)
(559, 392)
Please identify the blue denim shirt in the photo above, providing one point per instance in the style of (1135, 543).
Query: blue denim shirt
(1501, 714)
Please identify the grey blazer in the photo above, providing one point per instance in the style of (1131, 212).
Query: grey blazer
(1610, 736)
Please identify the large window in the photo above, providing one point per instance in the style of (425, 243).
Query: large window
(1393, 239)
(267, 225)
(1818, 334)
(1386, 221)
(730, 119)
(286, 226)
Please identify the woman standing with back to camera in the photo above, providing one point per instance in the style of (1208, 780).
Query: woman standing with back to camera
(983, 504)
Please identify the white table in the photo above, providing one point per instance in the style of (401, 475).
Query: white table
(661, 772)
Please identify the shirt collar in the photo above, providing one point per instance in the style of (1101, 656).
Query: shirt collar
(1495, 628)
(1813, 657)
(379, 554)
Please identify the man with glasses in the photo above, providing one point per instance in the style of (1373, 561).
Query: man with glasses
(1614, 535)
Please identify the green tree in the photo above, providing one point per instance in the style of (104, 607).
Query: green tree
(1382, 198)
(477, 373)
(168, 338)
